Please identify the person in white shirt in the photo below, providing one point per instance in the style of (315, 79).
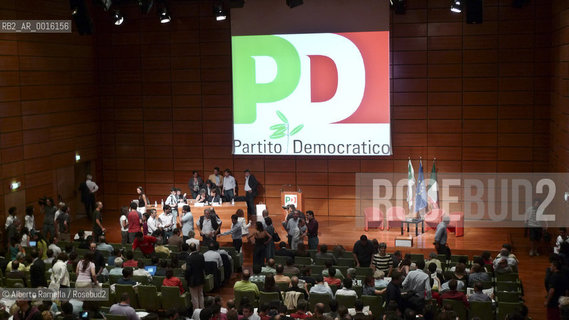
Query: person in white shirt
(167, 221)
(53, 246)
(29, 219)
(140, 271)
(535, 227)
(321, 287)
(153, 223)
(58, 212)
(117, 270)
(191, 239)
(228, 190)
(236, 232)
(208, 226)
(59, 274)
(187, 221)
(12, 212)
(346, 289)
(212, 255)
(560, 239)
(172, 201)
(123, 220)
(93, 187)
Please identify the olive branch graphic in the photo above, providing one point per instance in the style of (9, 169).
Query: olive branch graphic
(282, 130)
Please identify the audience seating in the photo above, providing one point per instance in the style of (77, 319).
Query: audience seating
(503, 296)
(283, 286)
(348, 301)
(458, 307)
(122, 288)
(347, 262)
(375, 304)
(303, 261)
(504, 308)
(149, 297)
(317, 298)
(508, 277)
(109, 316)
(249, 294)
(172, 299)
(482, 310)
(268, 297)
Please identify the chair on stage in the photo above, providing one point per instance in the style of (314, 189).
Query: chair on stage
(373, 218)
(433, 218)
(395, 214)
(456, 224)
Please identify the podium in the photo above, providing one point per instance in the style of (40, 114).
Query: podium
(292, 197)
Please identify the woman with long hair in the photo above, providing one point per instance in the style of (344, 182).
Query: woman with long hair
(142, 200)
(123, 220)
(271, 286)
(262, 239)
(86, 276)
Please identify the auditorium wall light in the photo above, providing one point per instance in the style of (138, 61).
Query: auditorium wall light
(15, 185)
(218, 11)
(77, 157)
(456, 6)
(118, 17)
(165, 16)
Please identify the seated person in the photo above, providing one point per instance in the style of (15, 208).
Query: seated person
(202, 196)
(433, 258)
(294, 286)
(360, 315)
(369, 286)
(123, 308)
(346, 289)
(290, 268)
(307, 277)
(111, 259)
(130, 262)
(270, 267)
(141, 271)
(257, 276)
(379, 279)
(271, 286)
(283, 251)
(301, 312)
(126, 277)
(280, 277)
(454, 294)
(214, 197)
(301, 251)
(245, 285)
(117, 269)
(478, 295)
(171, 281)
(325, 255)
(477, 274)
(329, 265)
(331, 278)
(321, 287)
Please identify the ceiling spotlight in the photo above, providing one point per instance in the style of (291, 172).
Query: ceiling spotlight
(456, 6)
(219, 13)
(145, 5)
(118, 17)
(399, 6)
(294, 3)
(165, 16)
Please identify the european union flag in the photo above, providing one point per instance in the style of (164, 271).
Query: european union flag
(421, 199)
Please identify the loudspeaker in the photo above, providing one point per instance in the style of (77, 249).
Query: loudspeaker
(474, 11)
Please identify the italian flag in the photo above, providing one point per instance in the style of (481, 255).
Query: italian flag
(432, 192)
(410, 184)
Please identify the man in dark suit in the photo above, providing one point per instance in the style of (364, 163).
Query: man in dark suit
(250, 186)
(37, 271)
(195, 276)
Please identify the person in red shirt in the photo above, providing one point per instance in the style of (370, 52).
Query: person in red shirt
(453, 294)
(129, 262)
(171, 281)
(331, 279)
(301, 311)
(145, 243)
(134, 222)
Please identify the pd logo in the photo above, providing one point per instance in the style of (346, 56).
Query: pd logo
(291, 199)
(321, 93)
(341, 77)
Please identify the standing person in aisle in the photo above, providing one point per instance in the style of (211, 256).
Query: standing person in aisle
(250, 188)
(134, 222)
(229, 186)
(98, 228)
(236, 232)
(312, 226)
